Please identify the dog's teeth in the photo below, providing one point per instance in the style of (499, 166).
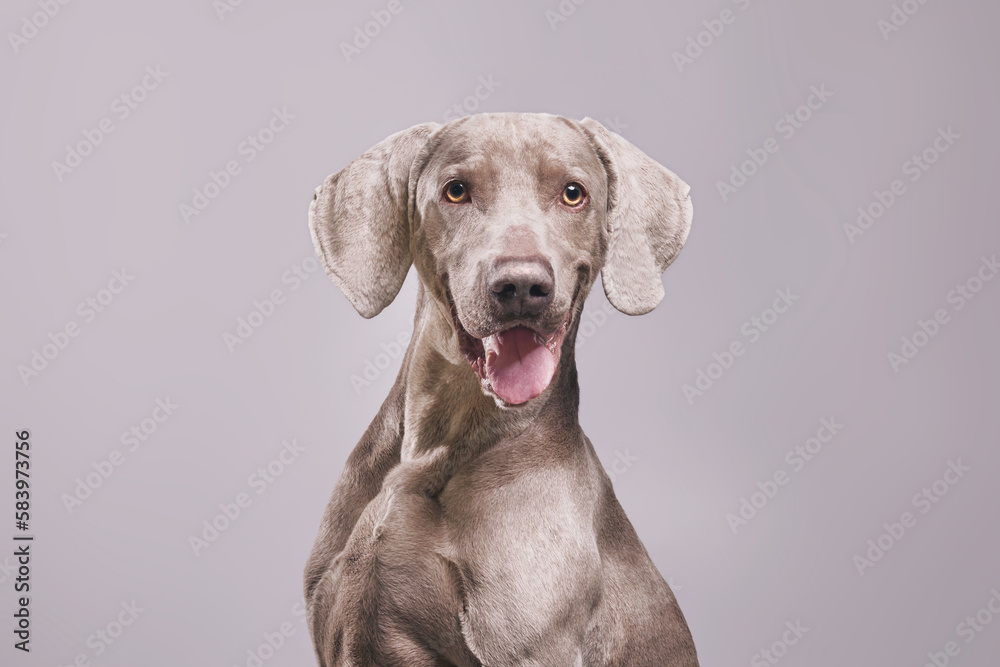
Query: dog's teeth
(492, 344)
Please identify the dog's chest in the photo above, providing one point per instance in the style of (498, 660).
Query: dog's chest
(527, 556)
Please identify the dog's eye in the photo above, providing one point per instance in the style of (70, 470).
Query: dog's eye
(456, 192)
(573, 194)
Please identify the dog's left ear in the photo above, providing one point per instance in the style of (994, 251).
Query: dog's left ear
(649, 217)
(360, 221)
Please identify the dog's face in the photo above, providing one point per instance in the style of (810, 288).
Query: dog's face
(509, 230)
(508, 218)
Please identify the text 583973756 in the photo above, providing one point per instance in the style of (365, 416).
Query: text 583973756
(22, 542)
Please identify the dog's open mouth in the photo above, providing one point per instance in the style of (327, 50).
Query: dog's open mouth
(516, 364)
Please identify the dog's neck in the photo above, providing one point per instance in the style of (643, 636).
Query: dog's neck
(447, 419)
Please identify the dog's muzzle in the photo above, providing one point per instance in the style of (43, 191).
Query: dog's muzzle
(516, 363)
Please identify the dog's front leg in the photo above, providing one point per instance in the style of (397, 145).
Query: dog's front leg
(391, 596)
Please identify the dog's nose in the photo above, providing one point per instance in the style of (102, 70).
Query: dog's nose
(522, 287)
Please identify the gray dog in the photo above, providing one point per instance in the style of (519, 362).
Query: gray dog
(474, 524)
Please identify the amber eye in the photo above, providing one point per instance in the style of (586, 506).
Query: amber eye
(573, 194)
(456, 192)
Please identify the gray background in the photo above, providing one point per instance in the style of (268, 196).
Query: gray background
(689, 465)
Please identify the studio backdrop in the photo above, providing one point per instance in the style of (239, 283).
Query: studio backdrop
(803, 433)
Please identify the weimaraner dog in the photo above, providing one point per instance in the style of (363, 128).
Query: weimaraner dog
(474, 524)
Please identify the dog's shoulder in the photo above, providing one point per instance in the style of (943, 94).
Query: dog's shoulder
(375, 455)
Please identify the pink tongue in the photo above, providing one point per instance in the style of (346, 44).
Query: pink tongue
(519, 368)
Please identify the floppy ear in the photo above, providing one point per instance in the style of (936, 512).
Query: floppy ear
(359, 219)
(649, 216)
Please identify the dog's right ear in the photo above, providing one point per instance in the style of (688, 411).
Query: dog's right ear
(359, 219)
(649, 217)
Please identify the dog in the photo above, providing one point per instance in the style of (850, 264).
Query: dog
(473, 524)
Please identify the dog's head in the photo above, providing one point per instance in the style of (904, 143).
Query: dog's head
(508, 219)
